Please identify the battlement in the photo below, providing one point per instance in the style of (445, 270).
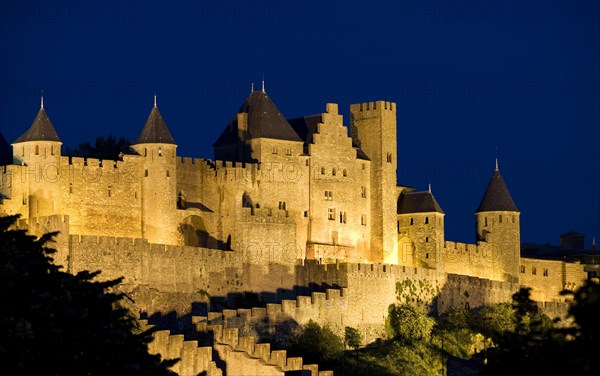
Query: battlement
(193, 359)
(229, 318)
(451, 247)
(90, 162)
(371, 106)
(331, 272)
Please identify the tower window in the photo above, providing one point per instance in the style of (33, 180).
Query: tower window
(427, 239)
(306, 213)
(37, 150)
(342, 217)
(146, 173)
(329, 195)
(411, 221)
(345, 173)
(322, 170)
(333, 171)
(522, 269)
(331, 214)
(288, 151)
(274, 150)
(51, 149)
(282, 205)
(534, 270)
(168, 173)
(70, 187)
(160, 152)
(389, 157)
(485, 221)
(363, 192)
(427, 255)
(109, 191)
(363, 220)
(145, 152)
(500, 218)
(513, 219)
(426, 220)
(545, 272)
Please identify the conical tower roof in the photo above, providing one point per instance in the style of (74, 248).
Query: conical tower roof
(264, 121)
(40, 130)
(497, 197)
(155, 130)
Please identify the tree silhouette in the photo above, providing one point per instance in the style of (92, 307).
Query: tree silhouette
(55, 323)
(107, 148)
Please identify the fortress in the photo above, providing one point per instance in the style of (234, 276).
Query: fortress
(302, 211)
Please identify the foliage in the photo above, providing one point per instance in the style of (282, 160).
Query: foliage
(494, 320)
(62, 323)
(316, 344)
(453, 333)
(352, 338)
(106, 148)
(535, 346)
(408, 324)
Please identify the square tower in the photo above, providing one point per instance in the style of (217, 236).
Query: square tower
(373, 129)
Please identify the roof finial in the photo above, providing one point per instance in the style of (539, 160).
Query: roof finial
(497, 158)
(252, 88)
(263, 83)
(154, 100)
(430, 187)
(42, 99)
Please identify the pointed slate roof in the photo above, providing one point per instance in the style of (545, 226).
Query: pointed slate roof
(155, 130)
(40, 130)
(264, 121)
(418, 202)
(497, 197)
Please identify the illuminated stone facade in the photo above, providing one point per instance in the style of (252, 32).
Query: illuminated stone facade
(282, 200)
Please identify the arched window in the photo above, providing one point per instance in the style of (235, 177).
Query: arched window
(37, 150)
(334, 171)
(322, 170)
(345, 173)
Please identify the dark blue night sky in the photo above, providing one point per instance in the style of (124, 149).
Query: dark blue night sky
(467, 76)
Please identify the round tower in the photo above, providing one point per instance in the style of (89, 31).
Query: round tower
(38, 151)
(159, 180)
(498, 230)
(420, 230)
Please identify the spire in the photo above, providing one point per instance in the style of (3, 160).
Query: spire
(497, 197)
(497, 169)
(429, 187)
(263, 85)
(252, 88)
(155, 130)
(41, 129)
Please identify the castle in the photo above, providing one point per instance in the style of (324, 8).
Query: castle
(287, 206)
